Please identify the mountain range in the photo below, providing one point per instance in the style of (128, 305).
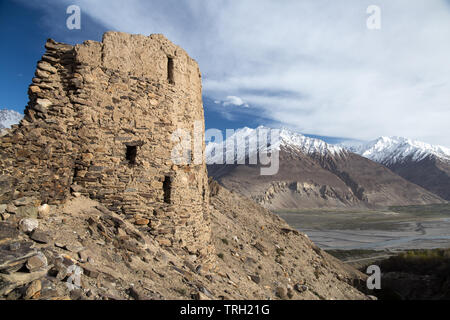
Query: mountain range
(421, 163)
(313, 173)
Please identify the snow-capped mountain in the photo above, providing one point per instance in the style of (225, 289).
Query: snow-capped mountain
(312, 173)
(308, 145)
(250, 140)
(421, 163)
(392, 150)
(9, 117)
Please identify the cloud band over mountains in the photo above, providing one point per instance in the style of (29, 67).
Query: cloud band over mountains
(312, 65)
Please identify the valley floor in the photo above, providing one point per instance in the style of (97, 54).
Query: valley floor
(395, 228)
(402, 241)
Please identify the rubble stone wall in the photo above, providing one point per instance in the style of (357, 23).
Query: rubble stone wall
(99, 122)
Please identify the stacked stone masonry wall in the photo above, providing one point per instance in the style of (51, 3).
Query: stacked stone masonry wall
(99, 121)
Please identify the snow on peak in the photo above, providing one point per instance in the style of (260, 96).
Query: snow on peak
(8, 118)
(391, 150)
(294, 140)
(247, 139)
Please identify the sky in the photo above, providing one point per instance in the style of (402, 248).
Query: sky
(311, 65)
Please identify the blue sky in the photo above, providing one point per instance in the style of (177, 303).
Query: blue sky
(312, 66)
(24, 30)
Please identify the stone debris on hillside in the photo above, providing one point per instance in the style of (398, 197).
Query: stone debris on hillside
(91, 253)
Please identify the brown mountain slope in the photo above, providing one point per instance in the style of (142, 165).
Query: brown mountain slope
(308, 181)
(430, 173)
(258, 257)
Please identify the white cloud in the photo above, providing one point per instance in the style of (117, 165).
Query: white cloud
(312, 64)
(233, 101)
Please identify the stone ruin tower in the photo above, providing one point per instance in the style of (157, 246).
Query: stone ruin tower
(99, 121)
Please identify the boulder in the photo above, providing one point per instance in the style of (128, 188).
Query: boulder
(8, 282)
(8, 232)
(36, 262)
(33, 290)
(43, 211)
(24, 201)
(27, 212)
(28, 225)
(40, 236)
(14, 255)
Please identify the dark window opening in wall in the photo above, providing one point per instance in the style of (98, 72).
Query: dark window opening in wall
(167, 187)
(131, 154)
(170, 77)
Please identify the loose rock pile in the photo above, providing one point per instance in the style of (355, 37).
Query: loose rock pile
(82, 250)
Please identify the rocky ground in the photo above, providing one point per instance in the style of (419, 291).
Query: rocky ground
(81, 250)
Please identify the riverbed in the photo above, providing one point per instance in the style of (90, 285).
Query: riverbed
(372, 229)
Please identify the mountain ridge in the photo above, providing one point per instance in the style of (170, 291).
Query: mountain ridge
(421, 163)
(287, 139)
(313, 173)
(391, 150)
